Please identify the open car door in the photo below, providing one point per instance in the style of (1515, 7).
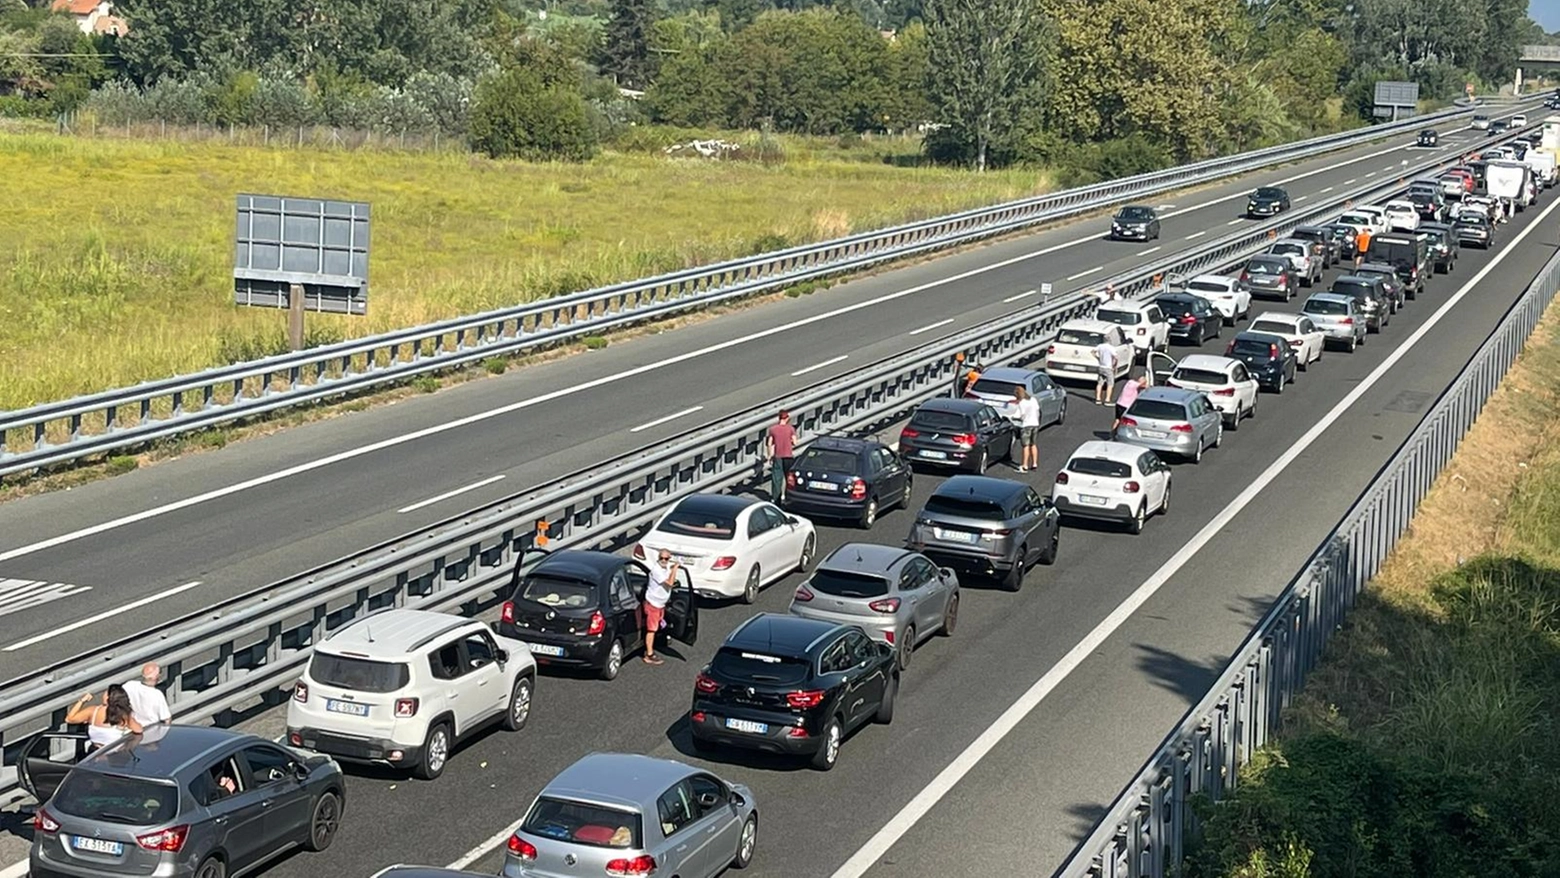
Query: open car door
(1160, 367)
(524, 564)
(46, 759)
(682, 611)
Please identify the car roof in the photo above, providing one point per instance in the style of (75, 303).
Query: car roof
(392, 632)
(1268, 257)
(1088, 325)
(627, 780)
(1258, 335)
(1215, 279)
(581, 564)
(1126, 207)
(780, 634)
(715, 504)
(947, 404)
(1286, 316)
(864, 558)
(845, 443)
(1210, 362)
(178, 747)
(1360, 278)
(1179, 395)
(1117, 451)
(1332, 297)
(1309, 230)
(984, 487)
(1177, 296)
(1009, 373)
(1293, 242)
(1399, 202)
(1121, 305)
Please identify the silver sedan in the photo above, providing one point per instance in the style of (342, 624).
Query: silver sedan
(897, 596)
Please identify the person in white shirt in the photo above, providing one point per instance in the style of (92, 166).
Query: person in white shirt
(1105, 386)
(148, 704)
(1028, 410)
(663, 574)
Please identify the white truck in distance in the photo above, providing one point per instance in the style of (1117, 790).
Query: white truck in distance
(1508, 181)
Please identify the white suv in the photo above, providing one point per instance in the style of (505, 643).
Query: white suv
(399, 687)
(1143, 322)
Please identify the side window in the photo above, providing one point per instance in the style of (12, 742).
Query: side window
(758, 522)
(773, 516)
(1033, 501)
(915, 575)
(884, 458)
(266, 765)
(218, 782)
(480, 651)
(709, 794)
(1240, 373)
(835, 659)
(860, 648)
(638, 578)
(1154, 316)
(675, 809)
(1147, 462)
(445, 662)
(623, 594)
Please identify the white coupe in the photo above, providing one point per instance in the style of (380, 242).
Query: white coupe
(731, 546)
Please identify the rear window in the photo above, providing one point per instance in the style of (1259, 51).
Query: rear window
(1345, 288)
(829, 460)
(965, 507)
(1286, 249)
(1201, 376)
(551, 591)
(1203, 286)
(112, 798)
(994, 387)
(755, 667)
(1255, 267)
(1158, 409)
(1094, 466)
(1325, 306)
(582, 823)
(1078, 336)
(848, 585)
(358, 674)
(1270, 326)
(695, 523)
(943, 421)
(1252, 346)
(1120, 318)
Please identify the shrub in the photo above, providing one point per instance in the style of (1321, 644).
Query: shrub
(517, 114)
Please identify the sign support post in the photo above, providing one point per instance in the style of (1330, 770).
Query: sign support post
(295, 316)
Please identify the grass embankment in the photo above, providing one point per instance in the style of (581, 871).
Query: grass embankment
(118, 263)
(1428, 742)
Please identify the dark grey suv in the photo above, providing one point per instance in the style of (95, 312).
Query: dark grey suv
(987, 527)
(175, 802)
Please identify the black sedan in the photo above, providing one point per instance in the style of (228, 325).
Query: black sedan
(1192, 318)
(964, 434)
(1474, 228)
(1135, 223)
(1266, 201)
(1443, 246)
(1429, 137)
(793, 686)
(1269, 358)
(840, 477)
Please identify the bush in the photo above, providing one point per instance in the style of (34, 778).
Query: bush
(517, 114)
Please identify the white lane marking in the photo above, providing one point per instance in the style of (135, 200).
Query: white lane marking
(661, 420)
(1149, 251)
(1324, 191)
(1196, 235)
(1301, 198)
(880, 844)
(1369, 175)
(1024, 295)
(932, 326)
(494, 841)
(1351, 182)
(573, 389)
(1235, 222)
(19, 870)
(91, 620)
(1165, 207)
(829, 362)
(1073, 277)
(448, 494)
(22, 594)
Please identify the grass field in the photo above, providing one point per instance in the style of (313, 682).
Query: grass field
(117, 252)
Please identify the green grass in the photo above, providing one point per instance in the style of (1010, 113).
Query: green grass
(117, 262)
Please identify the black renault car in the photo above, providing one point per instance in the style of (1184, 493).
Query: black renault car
(1429, 137)
(965, 434)
(1135, 222)
(1192, 318)
(847, 478)
(578, 609)
(1266, 201)
(794, 686)
(1269, 358)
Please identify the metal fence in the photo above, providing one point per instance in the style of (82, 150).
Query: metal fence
(59, 432)
(1144, 833)
(253, 646)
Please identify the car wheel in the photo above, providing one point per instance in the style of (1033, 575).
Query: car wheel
(609, 671)
(982, 462)
(436, 752)
(1164, 503)
(211, 867)
(1354, 342)
(1234, 423)
(808, 548)
(1278, 386)
(1061, 413)
(750, 588)
(885, 711)
(324, 822)
(1251, 413)
(904, 501)
(519, 712)
(829, 753)
(1197, 339)
(747, 842)
(1197, 456)
(1014, 580)
(906, 647)
(869, 514)
(1048, 557)
(1135, 526)
(950, 619)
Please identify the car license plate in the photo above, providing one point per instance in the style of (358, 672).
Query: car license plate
(1090, 498)
(1074, 367)
(346, 707)
(742, 725)
(823, 486)
(1152, 434)
(97, 845)
(935, 455)
(955, 536)
(539, 649)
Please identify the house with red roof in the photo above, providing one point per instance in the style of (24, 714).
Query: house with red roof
(93, 16)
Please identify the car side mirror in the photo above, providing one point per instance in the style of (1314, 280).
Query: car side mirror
(945, 572)
(300, 772)
(502, 655)
(793, 520)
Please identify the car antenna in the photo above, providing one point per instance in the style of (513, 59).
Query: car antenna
(368, 627)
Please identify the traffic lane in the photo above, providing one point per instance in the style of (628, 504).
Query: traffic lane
(34, 519)
(1068, 760)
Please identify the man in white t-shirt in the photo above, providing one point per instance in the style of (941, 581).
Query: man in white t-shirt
(1028, 410)
(1105, 386)
(663, 576)
(148, 704)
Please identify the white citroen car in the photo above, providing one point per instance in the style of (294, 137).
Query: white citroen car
(731, 546)
(1227, 295)
(1308, 341)
(1113, 481)
(1227, 383)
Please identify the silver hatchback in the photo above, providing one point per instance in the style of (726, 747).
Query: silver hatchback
(626, 814)
(1338, 317)
(897, 596)
(1171, 420)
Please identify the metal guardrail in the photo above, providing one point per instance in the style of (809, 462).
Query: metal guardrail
(59, 432)
(253, 646)
(1143, 834)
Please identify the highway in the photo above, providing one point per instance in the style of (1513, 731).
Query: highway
(101, 561)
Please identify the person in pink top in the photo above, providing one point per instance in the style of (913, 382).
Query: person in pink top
(1129, 394)
(780, 448)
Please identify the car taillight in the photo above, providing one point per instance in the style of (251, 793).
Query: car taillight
(1227, 391)
(803, 594)
(165, 841)
(790, 480)
(1296, 342)
(965, 439)
(1128, 422)
(1131, 487)
(908, 433)
(705, 683)
(1181, 428)
(507, 614)
(1061, 478)
(886, 605)
(1050, 349)
(1273, 351)
(522, 848)
(1142, 331)
(598, 624)
(806, 699)
(301, 692)
(643, 864)
(1187, 318)
(639, 551)
(1283, 276)
(1347, 321)
(44, 822)
(1229, 349)
(724, 562)
(1244, 277)
(858, 489)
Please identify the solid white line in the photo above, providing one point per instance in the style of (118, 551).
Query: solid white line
(671, 417)
(19, 870)
(828, 362)
(1024, 295)
(1165, 207)
(1073, 277)
(1196, 234)
(573, 389)
(880, 844)
(82, 623)
(493, 841)
(1149, 250)
(448, 494)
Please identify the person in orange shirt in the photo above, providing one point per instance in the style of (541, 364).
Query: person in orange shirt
(1361, 245)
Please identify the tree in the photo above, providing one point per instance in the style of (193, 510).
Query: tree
(818, 72)
(627, 54)
(532, 109)
(685, 91)
(987, 61)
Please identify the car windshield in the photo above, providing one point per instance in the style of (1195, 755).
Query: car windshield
(1098, 466)
(112, 798)
(699, 523)
(1325, 306)
(582, 823)
(1204, 286)
(1135, 214)
(359, 675)
(1079, 336)
(1270, 192)
(556, 591)
(843, 584)
(946, 422)
(964, 507)
(1122, 318)
(1253, 347)
(828, 460)
(1255, 267)
(993, 387)
(1200, 376)
(754, 667)
(1272, 326)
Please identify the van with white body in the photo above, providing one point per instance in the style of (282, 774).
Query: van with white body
(1542, 163)
(1508, 180)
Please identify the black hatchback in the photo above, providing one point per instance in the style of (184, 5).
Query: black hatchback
(1268, 357)
(840, 477)
(793, 686)
(1266, 201)
(1192, 318)
(964, 434)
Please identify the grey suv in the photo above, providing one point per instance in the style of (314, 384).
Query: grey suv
(175, 802)
(987, 527)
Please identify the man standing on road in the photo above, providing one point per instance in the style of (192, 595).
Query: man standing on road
(1361, 244)
(1028, 409)
(148, 704)
(780, 448)
(1105, 386)
(663, 578)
